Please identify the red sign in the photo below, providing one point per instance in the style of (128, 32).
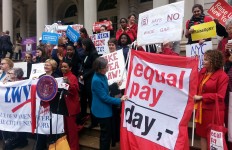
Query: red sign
(160, 90)
(97, 25)
(221, 10)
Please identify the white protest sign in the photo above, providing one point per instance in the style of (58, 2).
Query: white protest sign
(196, 49)
(37, 70)
(100, 41)
(16, 109)
(22, 65)
(116, 64)
(161, 24)
(61, 29)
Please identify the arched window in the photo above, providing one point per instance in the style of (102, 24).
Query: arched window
(71, 11)
(107, 4)
(142, 1)
(18, 24)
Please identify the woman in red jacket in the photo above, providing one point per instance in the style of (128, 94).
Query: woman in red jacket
(212, 87)
(125, 29)
(73, 106)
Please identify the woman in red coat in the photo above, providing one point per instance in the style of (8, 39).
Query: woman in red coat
(73, 106)
(125, 29)
(212, 87)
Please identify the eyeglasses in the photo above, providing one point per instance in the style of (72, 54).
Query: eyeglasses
(2, 63)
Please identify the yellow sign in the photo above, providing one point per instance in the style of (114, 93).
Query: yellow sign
(204, 31)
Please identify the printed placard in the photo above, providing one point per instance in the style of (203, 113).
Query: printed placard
(160, 90)
(72, 34)
(100, 41)
(116, 71)
(37, 70)
(221, 10)
(51, 38)
(161, 24)
(193, 50)
(204, 31)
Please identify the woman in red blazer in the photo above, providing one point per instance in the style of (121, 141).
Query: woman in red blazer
(212, 86)
(73, 106)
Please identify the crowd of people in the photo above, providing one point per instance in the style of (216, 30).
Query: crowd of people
(84, 70)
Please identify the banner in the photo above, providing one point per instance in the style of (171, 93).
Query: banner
(16, 109)
(116, 64)
(22, 65)
(100, 41)
(160, 90)
(193, 50)
(72, 34)
(220, 10)
(204, 31)
(51, 38)
(28, 45)
(161, 24)
(97, 25)
(37, 70)
(230, 118)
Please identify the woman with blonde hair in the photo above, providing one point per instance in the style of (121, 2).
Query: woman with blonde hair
(5, 66)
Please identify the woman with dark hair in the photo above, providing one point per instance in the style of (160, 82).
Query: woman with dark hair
(197, 18)
(132, 23)
(102, 102)
(125, 29)
(123, 43)
(78, 44)
(28, 59)
(73, 105)
(40, 55)
(86, 76)
(212, 87)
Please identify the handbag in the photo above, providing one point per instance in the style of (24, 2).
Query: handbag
(60, 144)
(216, 132)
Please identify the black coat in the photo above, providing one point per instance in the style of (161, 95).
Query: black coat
(6, 44)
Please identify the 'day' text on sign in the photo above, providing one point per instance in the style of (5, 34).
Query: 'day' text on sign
(158, 97)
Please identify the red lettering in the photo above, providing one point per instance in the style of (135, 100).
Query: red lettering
(156, 97)
(134, 89)
(138, 70)
(145, 94)
(158, 76)
(172, 79)
(149, 74)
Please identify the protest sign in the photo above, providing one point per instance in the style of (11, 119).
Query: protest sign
(100, 41)
(51, 38)
(220, 10)
(161, 24)
(72, 34)
(160, 90)
(193, 50)
(61, 29)
(22, 65)
(37, 70)
(20, 109)
(28, 44)
(116, 64)
(97, 25)
(204, 31)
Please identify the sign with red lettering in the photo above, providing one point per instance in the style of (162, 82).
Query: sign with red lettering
(97, 25)
(160, 90)
(116, 71)
(220, 10)
(161, 24)
(100, 41)
(216, 140)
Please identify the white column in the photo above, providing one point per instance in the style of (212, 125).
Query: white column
(23, 10)
(41, 17)
(7, 17)
(123, 9)
(158, 3)
(80, 11)
(200, 2)
(90, 14)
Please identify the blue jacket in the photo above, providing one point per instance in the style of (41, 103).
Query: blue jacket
(101, 99)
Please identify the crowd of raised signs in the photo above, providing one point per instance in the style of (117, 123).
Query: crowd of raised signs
(74, 62)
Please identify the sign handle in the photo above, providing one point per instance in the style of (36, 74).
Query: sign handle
(194, 111)
(127, 59)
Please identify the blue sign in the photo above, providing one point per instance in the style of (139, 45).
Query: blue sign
(72, 34)
(51, 38)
